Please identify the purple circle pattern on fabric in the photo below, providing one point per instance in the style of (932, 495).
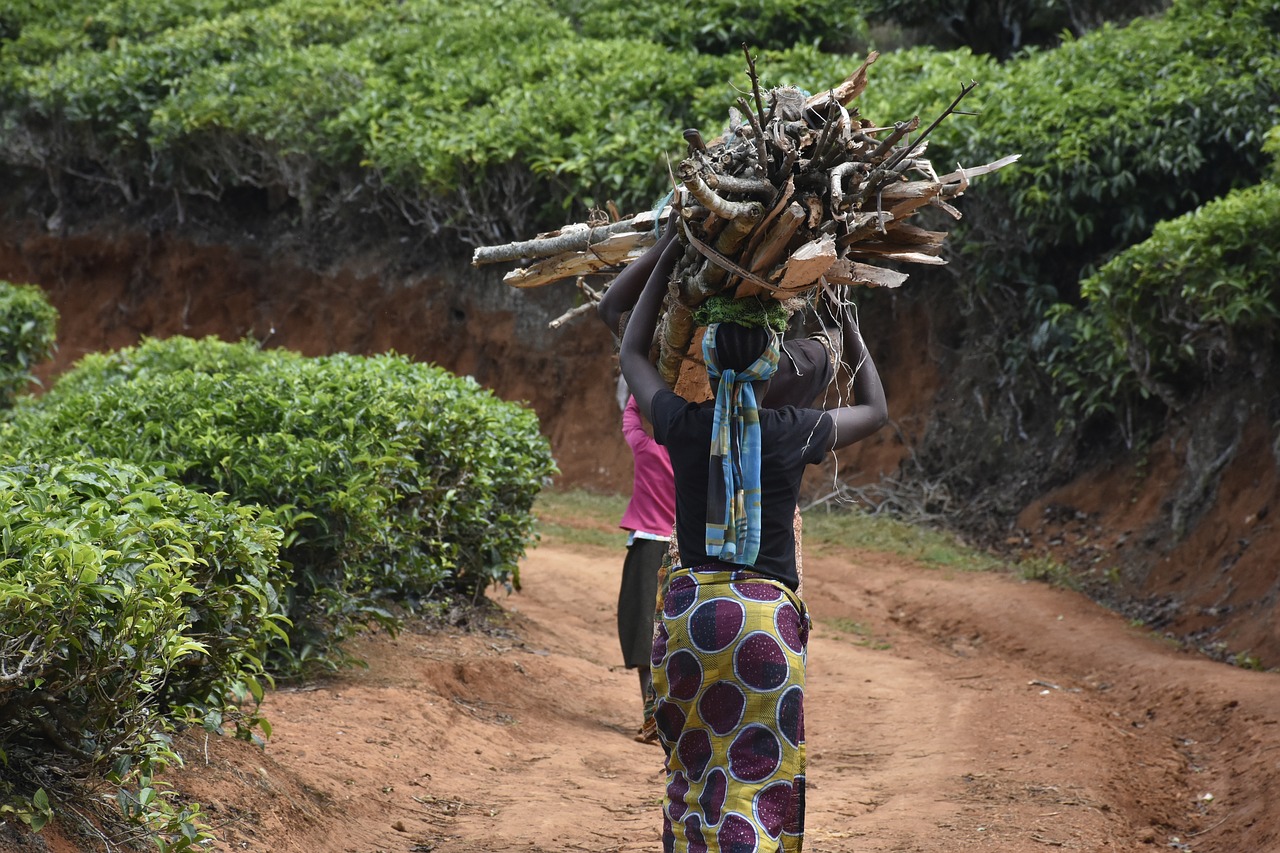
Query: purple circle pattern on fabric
(760, 663)
(754, 754)
(677, 788)
(757, 591)
(795, 815)
(659, 646)
(721, 706)
(693, 832)
(670, 719)
(791, 716)
(716, 623)
(680, 596)
(694, 751)
(773, 806)
(787, 621)
(737, 835)
(684, 675)
(714, 790)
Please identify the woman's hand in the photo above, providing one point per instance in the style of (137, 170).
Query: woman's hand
(622, 294)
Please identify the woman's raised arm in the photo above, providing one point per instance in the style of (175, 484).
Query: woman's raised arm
(869, 411)
(633, 355)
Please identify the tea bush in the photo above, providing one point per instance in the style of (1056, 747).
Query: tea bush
(1002, 29)
(722, 26)
(28, 330)
(129, 604)
(1169, 316)
(1119, 130)
(513, 112)
(392, 480)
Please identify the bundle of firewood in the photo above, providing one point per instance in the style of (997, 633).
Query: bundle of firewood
(799, 192)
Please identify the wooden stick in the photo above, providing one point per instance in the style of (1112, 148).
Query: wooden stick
(773, 247)
(691, 177)
(853, 86)
(846, 272)
(755, 84)
(964, 90)
(570, 314)
(784, 199)
(614, 253)
(577, 237)
(762, 153)
(721, 261)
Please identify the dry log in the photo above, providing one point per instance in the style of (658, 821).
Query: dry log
(774, 246)
(903, 256)
(576, 237)
(806, 265)
(846, 272)
(674, 334)
(853, 86)
(766, 225)
(905, 232)
(612, 254)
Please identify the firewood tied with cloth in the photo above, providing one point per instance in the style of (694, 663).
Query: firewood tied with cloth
(800, 194)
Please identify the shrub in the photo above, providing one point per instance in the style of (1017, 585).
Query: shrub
(722, 26)
(512, 112)
(1165, 318)
(392, 480)
(28, 326)
(1118, 130)
(1002, 29)
(130, 604)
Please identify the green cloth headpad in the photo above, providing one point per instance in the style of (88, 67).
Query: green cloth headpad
(751, 312)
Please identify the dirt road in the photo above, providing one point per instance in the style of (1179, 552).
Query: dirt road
(945, 712)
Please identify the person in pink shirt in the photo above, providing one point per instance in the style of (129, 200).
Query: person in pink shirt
(649, 518)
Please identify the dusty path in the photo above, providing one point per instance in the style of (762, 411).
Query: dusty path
(946, 712)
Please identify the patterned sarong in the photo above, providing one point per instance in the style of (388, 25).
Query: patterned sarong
(729, 671)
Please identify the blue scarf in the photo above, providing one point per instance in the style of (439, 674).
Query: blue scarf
(733, 476)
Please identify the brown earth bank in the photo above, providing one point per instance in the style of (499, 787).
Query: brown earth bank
(1204, 570)
(945, 712)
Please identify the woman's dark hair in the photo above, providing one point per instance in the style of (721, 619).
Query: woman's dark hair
(738, 346)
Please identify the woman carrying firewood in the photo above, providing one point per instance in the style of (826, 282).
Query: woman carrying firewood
(805, 369)
(728, 659)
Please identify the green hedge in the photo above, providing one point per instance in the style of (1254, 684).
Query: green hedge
(129, 603)
(722, 26)
(1118, 130)
(1169, 316)
(512, 111)
(392, 480)
(28, 331)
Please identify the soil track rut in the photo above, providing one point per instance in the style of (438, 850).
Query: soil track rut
(945, 712)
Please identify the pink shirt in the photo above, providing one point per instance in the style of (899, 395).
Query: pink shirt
(652, 509)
